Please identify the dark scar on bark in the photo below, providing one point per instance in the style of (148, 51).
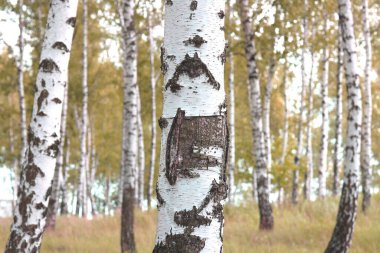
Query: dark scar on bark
(193, 67)
(169, 2)
(223, 55)
(197, 41)
(53, 149)
(57, 100)
(221, 14)
(43, 95)
(25, 201)
(160, 200)
(173, 162)
(162, 122)
(191, 219)
(71, 21)
(48, 193)
(193, 5)
(31, 172)
(61, 46)
(171, 57)
(43, 83)
(48, 66)
(183, 243)
(164, 65)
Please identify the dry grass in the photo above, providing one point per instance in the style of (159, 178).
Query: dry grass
(305, 228)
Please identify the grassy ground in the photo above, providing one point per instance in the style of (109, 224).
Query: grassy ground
(305, 228)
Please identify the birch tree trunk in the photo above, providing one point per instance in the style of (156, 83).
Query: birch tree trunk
(130, 116)
(92, 176)
(153, 110)
(64, 207)
(81, 203)
(54, 198)
(322, 168)
(14, 170)
(365, 159)
(300, 122)
(44, 134)
(259, 152)
(342, 235)
(286, 120)
(191, 184)
(231, 86)
(20, 82)
(141, 154)
(338, 115)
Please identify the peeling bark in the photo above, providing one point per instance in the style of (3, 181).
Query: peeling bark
(44, 136)
(342, 235)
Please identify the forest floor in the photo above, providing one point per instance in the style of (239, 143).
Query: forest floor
(304, 228)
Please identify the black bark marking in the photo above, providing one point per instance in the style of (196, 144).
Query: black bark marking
(169, 2)
(193, 67)
(173, 161)
(197, 41)
(183, 243)
(221, 14)
(160, 200)
(191, 219)
(223, 55)
(57, 100)
(171, 57)
(24, 202)
(193, 5)
(48, 66)
(162, 122)
(164, 65)
(43, 83)
(43, 95)
(53, 149)
(217, 193)
(31, 172)
(71, 21)
(41, 114)
(48, 193)
(61, 46)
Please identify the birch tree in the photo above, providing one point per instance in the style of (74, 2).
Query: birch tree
(129, 144)
(338, 115)
(141, 155)
(63, 187)
(191, 183)
(365, 159)
(44, 132)
(259, 152)
(342, 235)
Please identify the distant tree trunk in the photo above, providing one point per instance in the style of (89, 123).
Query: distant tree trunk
(322, 168)
(44, 132)
(107, 197)
(265, 209)
(365, 159)
(286, 120)
(338, 115)
(14, 166)
(342, 235)
(300, 122)
(130, 116)
(141, 154)
(231, 86)
(54, 199)
(20, 81)
(191, 184)
(153, 111)
(64, 207)
(88, 188)
(93, 174)
(82, 202)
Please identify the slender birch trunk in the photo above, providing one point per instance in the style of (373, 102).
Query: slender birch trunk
(44, 134)
(191, 184)
(107, 197)
(338, 115)
(300, 122)
(14, 170)
(20, 82)
(88, 200)
(81, 203)
(54, 198)
(286, 112)
(309, 135)
(141, 154)
(231, 86)
(342, 235)
(93, 174)
(153, 110)
(322, 168)
(259, 152)
(365, 159)
(130, 116)
(64, 207)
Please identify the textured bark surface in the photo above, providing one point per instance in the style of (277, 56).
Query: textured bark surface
(44, 132)
(286, 112)
(141, 155)
(366, 151)
(191, 184)
(259, 152)
(130, 126)
(301, 110)
(63, 187)
(152, 161)
(338, 115)
(342, 235)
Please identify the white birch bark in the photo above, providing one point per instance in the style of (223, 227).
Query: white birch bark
(365, 159)
(322, 168)
(342, 235)
(153, 111)
(338, 115)
(63, 185)
(141, 154)
(286, 112)
(44, 137)
(14, 170)
(20, 82)
(130, 146)
(191, 183)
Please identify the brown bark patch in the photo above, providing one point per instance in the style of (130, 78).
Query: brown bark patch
(193, 5)
(48, 66)
(164, 65)
(71, 21)
(191, 219)
(221, 14)
(180, 243)
(197, 41)
(53, 149)
(43, 95)
(61, 46)
(162, 122)
(31, 172)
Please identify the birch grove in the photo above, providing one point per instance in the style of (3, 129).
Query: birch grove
(44, 132)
